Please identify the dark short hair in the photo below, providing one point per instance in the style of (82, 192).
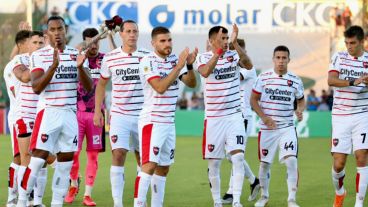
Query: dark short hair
(55, 18)
(282, 48)
(354, 31)
(127, 21)
(241, 43)
(22, 36)
(159, 30)
(89, 32)
(36, 32)
(215, 30)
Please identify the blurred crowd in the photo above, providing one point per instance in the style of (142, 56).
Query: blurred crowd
(321, 103)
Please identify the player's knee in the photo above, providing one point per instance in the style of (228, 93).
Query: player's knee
(361, 160)
(339, 165)
(214, 168)
(291, 162)
(64, 156)
(264, 169)
(40, 154)
(118, 156)
(162, 171)
(16, 159)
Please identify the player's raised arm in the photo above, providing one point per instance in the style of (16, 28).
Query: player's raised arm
(218, 41)
(40, 79)
(161, 85)
(245, 61)
(189, 78)
(84, 76)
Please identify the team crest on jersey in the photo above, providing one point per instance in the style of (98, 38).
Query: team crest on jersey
(290, 83)
(114, 138)
(73, 57)
(335, 142)
(44, 137)
(211, 147)
(156, 150)
(230, 59)
(173, 63)
(145, 69)
(365, 64)
(31, 124)
(265, 152)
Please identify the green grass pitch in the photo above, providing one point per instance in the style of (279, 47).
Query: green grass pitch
(187, 183)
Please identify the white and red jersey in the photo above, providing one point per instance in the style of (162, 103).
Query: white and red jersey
(12, 84)
(123, 69)
(159, 108)
(278, 94)
(26, 99)
(222, 86)
(62, 89)
(352, 99)
(249, 77)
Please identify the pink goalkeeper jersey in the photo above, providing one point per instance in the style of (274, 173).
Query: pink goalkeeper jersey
(85, 99)
(352, 99)
(159, 108)
(62, 89)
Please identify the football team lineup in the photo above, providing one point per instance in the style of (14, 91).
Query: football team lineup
(49, 81)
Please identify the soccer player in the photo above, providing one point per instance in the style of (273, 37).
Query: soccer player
(122, 66)
(220, 68)
(94, 134)
(55, 70)
(247, 78)
(273, 97)
(160, 72)
(12, 86)
(26, 110)
(347, 74)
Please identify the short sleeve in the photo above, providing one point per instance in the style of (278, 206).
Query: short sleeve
(300, 90)
(248, 74)
(148, 69)
(257, 87)
(335, 63)
(35, 63)
(105, 72)
(200, 61)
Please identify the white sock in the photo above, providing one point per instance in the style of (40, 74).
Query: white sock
(88, 190)
(60, 182)
(248, 174)
(338, 181)
(74, 183)
(214, 179)
(362, 183)
(157, 190)
(238, 175)
(13, 183)
(230, 190)
(264, 178)
(117, 184)
(20, 175)
(29, 178)
(142, 184)
(292, 177)
(40, 186)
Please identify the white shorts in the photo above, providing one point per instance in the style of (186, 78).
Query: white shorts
(349, 133)
(122, 129)
(13, 138)
(284, 139)
(58, 131)
(223, 134)
(24, 127)
(157, 143)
